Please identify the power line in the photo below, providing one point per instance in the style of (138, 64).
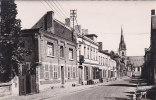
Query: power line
(43, 4)
(61, 7)
(53, 10)
(58, 8)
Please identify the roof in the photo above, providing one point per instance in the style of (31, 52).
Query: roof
(54, 26)
(91, 35)
(136, 61)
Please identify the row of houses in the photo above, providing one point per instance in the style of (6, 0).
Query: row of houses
(62, 57)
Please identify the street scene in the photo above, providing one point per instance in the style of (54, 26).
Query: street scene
(77, 50)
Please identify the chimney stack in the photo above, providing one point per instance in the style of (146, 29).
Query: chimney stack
(78, 28)
(84, 31)
(153, 20)
(100, 45)
(49, 23)
(67, 22)
(153, 12)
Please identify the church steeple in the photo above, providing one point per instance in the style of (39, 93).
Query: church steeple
(122, 46)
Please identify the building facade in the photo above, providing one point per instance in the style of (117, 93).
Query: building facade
(88, 52)
(53, 55)
(94, 64)
(136, 63)
(150, 54)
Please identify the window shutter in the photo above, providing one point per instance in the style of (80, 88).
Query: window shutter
(51, 72)
(77, 71)
(65, 71)
(58, 71)
(71, 71)
(42, 72)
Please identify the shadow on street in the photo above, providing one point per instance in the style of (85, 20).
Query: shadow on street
(115, 98)
(123, 85)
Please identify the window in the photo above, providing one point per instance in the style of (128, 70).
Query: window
(96, 55)
(86, 73)
(50, 49)
(99, 60)
(138, 69)
(106, 62)
(46, 72)
(122, 53)
(55, 72)
(85, 52)
(70, 54)
(79, 50)
(88, 53)
(93, 53)
(68, 72)
(74, 74)
(61, 51)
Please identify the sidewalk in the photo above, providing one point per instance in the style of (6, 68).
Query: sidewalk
(49, 93)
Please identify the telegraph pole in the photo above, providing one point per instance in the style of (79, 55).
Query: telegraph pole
(73, 15)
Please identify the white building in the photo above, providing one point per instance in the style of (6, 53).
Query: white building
(94, 64)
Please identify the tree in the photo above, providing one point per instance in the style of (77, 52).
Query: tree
(10, 44)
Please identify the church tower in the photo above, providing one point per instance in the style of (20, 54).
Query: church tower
(122, 47)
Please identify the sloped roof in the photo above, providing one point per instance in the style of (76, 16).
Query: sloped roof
(136, 61)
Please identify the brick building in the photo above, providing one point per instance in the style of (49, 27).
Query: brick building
(53, 58)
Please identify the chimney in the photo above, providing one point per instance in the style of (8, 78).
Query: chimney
(67, 22)
(85, 31)
(153, 21)
(78, 28)
(153, 12)
(49, 23)
(100, 45)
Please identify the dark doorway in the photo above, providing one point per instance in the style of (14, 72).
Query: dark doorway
(27, 84)
(62, 74)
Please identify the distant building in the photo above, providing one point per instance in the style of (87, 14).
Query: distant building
(135, 63)
(53, 57)
(107, 64)
(122, 47)
(122, 56)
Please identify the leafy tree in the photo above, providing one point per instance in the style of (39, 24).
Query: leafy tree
(10, 44)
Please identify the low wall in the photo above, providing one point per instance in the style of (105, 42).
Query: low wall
(5, 89)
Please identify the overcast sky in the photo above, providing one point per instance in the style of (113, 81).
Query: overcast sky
(103, 18)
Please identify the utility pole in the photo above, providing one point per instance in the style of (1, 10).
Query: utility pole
(73, 15)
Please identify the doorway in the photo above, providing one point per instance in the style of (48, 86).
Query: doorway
(62, 74)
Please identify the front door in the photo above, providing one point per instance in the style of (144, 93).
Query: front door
(22, 85)
(62, 74)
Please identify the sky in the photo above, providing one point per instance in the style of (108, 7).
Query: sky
(103, 18)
